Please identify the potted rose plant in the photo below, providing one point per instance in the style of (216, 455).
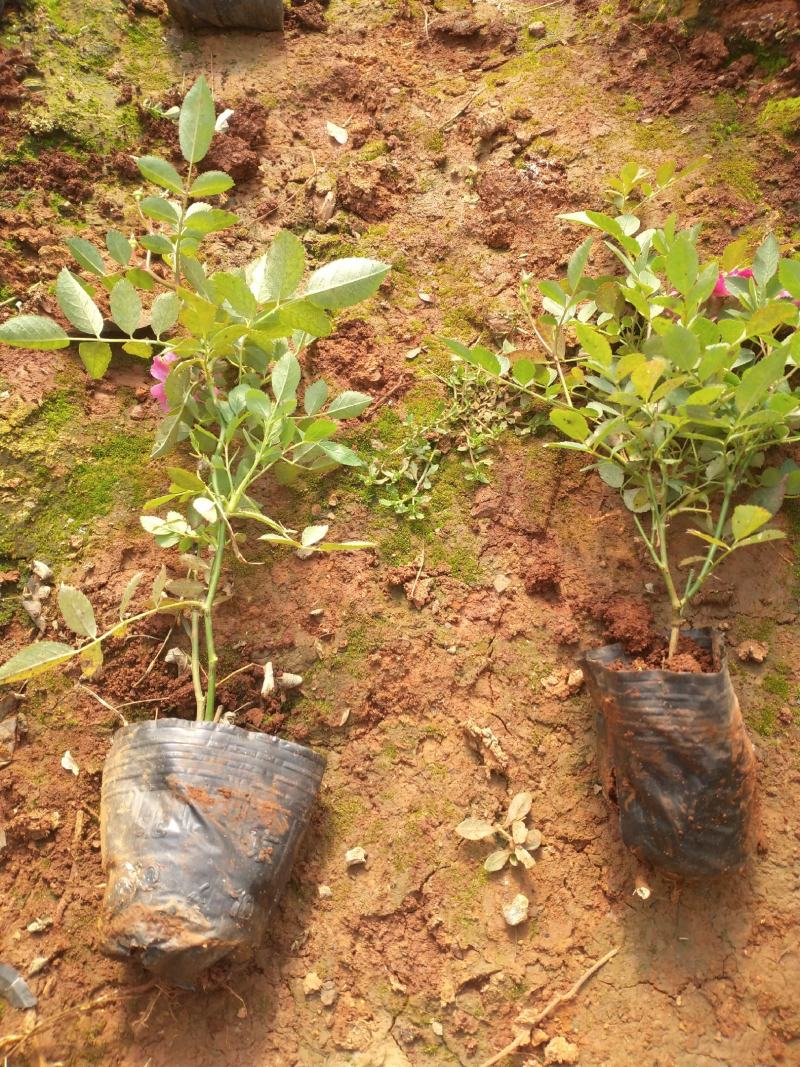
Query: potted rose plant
(201, 820)
(678, 379)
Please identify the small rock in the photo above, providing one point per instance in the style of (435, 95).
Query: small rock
(538, 1037)
(490, 124)
(38, 926)
(38, 964)
(312, 983)
(559, 1050)
(328, 994)
(324, 892)
(752, 651)
(355, 857)
(640, 57)
(437, 1027)
(8, 739)
(537, 29)
(501, 583)
(41, 570)
(517, 911)
(575, 680)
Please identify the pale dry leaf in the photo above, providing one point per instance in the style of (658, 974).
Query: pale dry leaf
(327, 208)
(268, 685)
(518, 808)
(473, 829)
(69, 764)
(338, 133)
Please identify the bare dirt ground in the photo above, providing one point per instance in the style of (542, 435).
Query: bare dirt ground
(468, 134)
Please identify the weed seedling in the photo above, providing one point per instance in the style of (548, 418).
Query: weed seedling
(518, 840)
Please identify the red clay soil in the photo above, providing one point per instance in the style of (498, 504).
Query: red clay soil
(690, 658)
(407, 961)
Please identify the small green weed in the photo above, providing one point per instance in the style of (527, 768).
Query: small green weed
(469, 424)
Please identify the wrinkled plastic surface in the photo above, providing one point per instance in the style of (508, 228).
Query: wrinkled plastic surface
(676, 760)
(264, 15)
(200, 824)
(15, 989)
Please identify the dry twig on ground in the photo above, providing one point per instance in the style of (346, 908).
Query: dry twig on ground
(523, 1038)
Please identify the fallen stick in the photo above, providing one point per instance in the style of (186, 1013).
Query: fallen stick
(14, 1042)
(66, 896)
(462, 109)
(524, 1038)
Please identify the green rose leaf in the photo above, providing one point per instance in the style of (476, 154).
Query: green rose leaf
(200, 218)
(789, 276)
(196, 122)
(277, 274)
(571, 423)
(345, 282)
(747, 518)
(159, 209)
(349, 404)
(77, 305)
(95, 356)
(86, 255)
(315, 397)
(77, 611)
(211, 183)
(765, 261)
(164, 312)
(285, 377)
(160, 172)
(682, 264)
(119, 247)
(34, 660)
(33, 331)
(340, 454)
(611, 473)
(126, 307)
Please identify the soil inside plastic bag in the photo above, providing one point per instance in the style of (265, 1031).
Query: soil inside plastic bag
(691, 657)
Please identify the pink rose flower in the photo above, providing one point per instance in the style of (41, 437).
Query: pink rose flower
(159, 369)
(721, 289)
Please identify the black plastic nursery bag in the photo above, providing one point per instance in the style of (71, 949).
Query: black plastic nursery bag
(675, 758)
(200, 824)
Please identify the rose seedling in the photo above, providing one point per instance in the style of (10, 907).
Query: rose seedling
(676, 376)
(224, 348)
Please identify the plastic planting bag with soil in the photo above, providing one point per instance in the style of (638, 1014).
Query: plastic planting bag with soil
(201, 824)
(675, 760)
(265, 15)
